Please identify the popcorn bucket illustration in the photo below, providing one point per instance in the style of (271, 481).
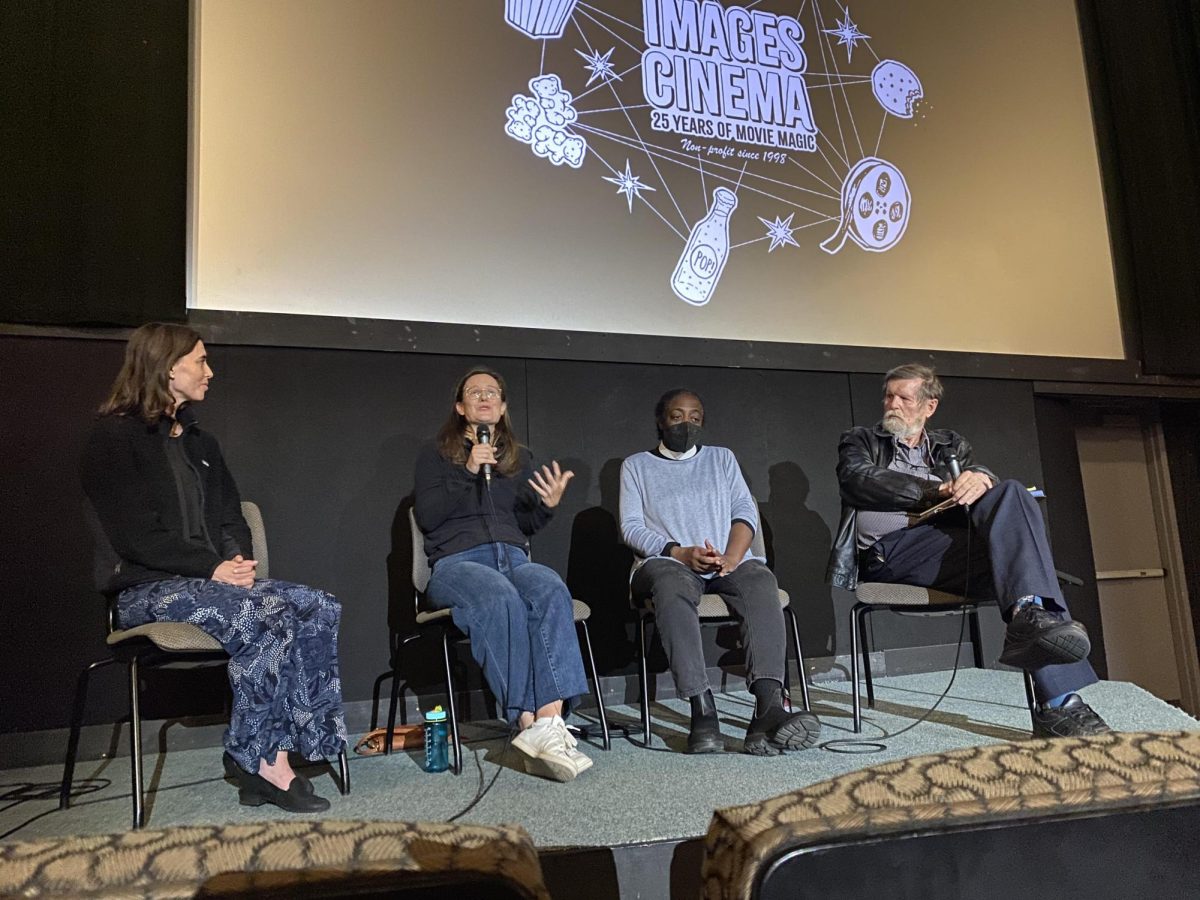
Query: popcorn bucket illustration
(539, 18)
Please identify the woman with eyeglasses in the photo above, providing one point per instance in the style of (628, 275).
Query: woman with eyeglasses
(178, 550)
(478, 499)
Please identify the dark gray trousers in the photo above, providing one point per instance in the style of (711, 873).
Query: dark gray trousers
(750, 591)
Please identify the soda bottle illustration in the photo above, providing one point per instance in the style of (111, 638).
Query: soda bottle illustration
(707, 249)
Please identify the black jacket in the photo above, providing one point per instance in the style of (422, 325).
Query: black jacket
(127, 477)
(455, 513)
(866, 482)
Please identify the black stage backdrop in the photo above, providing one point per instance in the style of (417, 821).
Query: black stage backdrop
(93, 161)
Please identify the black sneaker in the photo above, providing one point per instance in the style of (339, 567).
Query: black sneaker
(777, 730)
(1036, 638)
(1073, 719)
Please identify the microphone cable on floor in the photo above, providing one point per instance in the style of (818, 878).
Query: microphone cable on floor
(856, 746)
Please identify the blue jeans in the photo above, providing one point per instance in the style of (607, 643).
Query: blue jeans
(520, 620)
(283, 665)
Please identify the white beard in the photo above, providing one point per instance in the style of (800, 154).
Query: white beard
(896, 426)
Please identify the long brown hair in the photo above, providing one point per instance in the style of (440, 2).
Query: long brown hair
(451, 436)
(142, 387)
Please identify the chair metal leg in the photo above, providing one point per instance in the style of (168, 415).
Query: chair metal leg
(643, 683)
(854, 642)
(596, 688)
(344, 768)
(391, 720)
(801, 668)
(976, 636)
(77, 709)
(1030, 698)
(454, 739)
(135, 745)
(864, 637)
(375, 697)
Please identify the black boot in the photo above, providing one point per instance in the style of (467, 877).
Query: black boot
(773, 729)
(705, 736)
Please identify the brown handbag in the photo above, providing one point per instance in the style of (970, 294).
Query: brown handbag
(405, 737)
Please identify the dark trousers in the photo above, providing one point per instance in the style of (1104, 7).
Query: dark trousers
(1009, 559)
(750, 590)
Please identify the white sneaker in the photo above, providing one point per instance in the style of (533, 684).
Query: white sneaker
(582, 762)
(544, 747)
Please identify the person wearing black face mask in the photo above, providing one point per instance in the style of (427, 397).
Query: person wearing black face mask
(679, 503)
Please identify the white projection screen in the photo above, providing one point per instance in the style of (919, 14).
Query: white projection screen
(919, 174)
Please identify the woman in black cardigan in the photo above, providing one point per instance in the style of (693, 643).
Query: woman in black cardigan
(179, 551)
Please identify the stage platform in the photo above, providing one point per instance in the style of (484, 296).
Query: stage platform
(628, 827)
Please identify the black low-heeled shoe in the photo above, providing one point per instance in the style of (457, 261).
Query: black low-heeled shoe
(254, 790)
(260, 791)
(233, 771)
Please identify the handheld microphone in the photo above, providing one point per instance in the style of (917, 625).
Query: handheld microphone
(955, 471)
(484, 436)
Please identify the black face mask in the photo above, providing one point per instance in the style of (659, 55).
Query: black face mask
(681, 437)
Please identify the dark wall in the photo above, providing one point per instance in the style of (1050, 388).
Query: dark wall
(1144, 78)
(93, 160)
(325, 441)
(1181, 433)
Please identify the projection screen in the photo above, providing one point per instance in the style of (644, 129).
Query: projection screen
(918, 174)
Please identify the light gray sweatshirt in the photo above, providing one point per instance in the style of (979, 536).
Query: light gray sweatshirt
(683, 501)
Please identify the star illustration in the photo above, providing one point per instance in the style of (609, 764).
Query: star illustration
(630, 185)
(780, 232)
(847, 34)
(599, 65)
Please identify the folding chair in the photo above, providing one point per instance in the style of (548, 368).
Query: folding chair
(159, 645)
(439, 621)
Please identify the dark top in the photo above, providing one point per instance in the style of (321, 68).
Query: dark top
(187, 486)
(866, 482)
(456, 512)
(128, 478)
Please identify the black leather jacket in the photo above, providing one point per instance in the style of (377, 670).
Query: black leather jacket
(866, 482)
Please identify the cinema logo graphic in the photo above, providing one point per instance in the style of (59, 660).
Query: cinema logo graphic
(738, 126)
(727, 73)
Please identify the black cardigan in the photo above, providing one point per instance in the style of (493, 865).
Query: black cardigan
(454, 512)
(127, 477)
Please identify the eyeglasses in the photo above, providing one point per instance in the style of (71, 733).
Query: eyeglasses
(477, 394)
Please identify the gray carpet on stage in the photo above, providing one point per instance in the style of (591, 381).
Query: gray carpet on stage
(631, 795)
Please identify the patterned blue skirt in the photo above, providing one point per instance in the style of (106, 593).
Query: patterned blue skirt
(283, 668)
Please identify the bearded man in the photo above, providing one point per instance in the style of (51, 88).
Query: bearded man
(898, 468)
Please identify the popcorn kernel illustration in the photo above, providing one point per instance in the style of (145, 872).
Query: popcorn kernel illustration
(542, 122)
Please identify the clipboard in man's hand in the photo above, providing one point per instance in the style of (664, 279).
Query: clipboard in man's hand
(936, 510)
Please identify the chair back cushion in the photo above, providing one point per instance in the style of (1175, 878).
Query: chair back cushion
(258, 536)
(994, 784)
(420, 565)
(279, 859)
